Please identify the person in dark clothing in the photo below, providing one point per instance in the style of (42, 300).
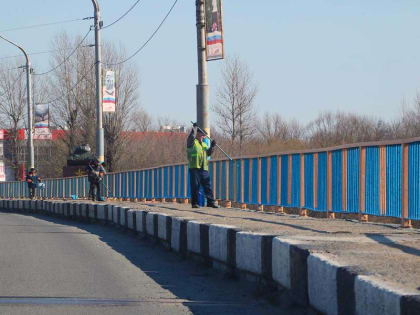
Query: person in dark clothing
(198, 151)
(96, 173)
(33, 181)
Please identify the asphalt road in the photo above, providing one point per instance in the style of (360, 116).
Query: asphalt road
(53, 266)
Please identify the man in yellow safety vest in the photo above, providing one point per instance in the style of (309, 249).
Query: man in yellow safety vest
(198, 151)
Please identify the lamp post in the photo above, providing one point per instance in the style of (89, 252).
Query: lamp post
(98, 69)
(29, 103)
(202, 86)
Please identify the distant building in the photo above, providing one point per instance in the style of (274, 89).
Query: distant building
(42, 151)
(180, 129)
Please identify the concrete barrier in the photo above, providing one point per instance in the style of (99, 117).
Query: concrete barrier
(310, 278)
(141, 221)
(179, 235)
(115, 215)
(322, 283)
(193, 237)
(376, 298)
(131, 219)
(254, 253)
(151, 224)
(100, 212)
(222, 244)
(123, 216)
(164, 227)
(91, 211)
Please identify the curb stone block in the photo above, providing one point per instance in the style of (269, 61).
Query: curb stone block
(67, 209)
(140, 221)
(123, 216)
(222, 241)
(115, 211)
(322, 283)
(151, 224)
(253, 253)
(61, 208)
(108, 213)
(164, 227)
(91, 211)
(85, 210)
(101, 212)
(131, 219)
(281, 262)
(179, 235)
(375, 298)
(73, 210)
(193, 237)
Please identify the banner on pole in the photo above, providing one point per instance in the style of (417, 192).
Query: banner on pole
(42, 122)
(214, 30)
(108, 91)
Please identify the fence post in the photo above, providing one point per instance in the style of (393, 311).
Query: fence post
(303, 212)
(405, 222)
(362, 194)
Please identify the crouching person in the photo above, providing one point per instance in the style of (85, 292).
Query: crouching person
(33, 181)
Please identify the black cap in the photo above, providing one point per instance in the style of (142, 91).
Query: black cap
(203, 132)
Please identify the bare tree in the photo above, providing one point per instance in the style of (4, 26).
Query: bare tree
(74, 92)
(141, 121)
(115, 123)
(235, 99)
(12, 111)
(70, 91)
(273, 128)
(340, 128)
(408, 124)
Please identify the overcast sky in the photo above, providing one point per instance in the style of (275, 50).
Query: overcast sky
(307, 56)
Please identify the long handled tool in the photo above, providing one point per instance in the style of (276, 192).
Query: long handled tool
(216, 143)
(101, 180)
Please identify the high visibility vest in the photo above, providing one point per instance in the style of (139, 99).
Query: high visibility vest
(197, 155)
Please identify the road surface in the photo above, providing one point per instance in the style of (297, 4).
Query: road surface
(54, 266)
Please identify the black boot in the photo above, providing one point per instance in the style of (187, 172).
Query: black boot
(211, 204)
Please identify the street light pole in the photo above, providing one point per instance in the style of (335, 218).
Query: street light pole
(98, 68)
(202, 86)
(31, 159)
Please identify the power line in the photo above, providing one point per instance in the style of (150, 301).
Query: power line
(44, 24)
(122, 16)
(66, 58)
(149, 39)
(71, 89)
(35, 53)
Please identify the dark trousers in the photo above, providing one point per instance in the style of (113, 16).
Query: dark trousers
(31, 192)
(200, 177)
(95, 189)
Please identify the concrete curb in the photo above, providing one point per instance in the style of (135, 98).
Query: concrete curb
(310, 278)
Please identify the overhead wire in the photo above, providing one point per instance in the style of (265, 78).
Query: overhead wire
(66, 58)
(122, 16)
(148, 40)
(72, 88)
(44, 24)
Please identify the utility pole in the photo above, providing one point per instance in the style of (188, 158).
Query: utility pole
(31, 159)
(202, 86)
(98, 68)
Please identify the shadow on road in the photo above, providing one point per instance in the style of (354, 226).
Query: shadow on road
(202, 289)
